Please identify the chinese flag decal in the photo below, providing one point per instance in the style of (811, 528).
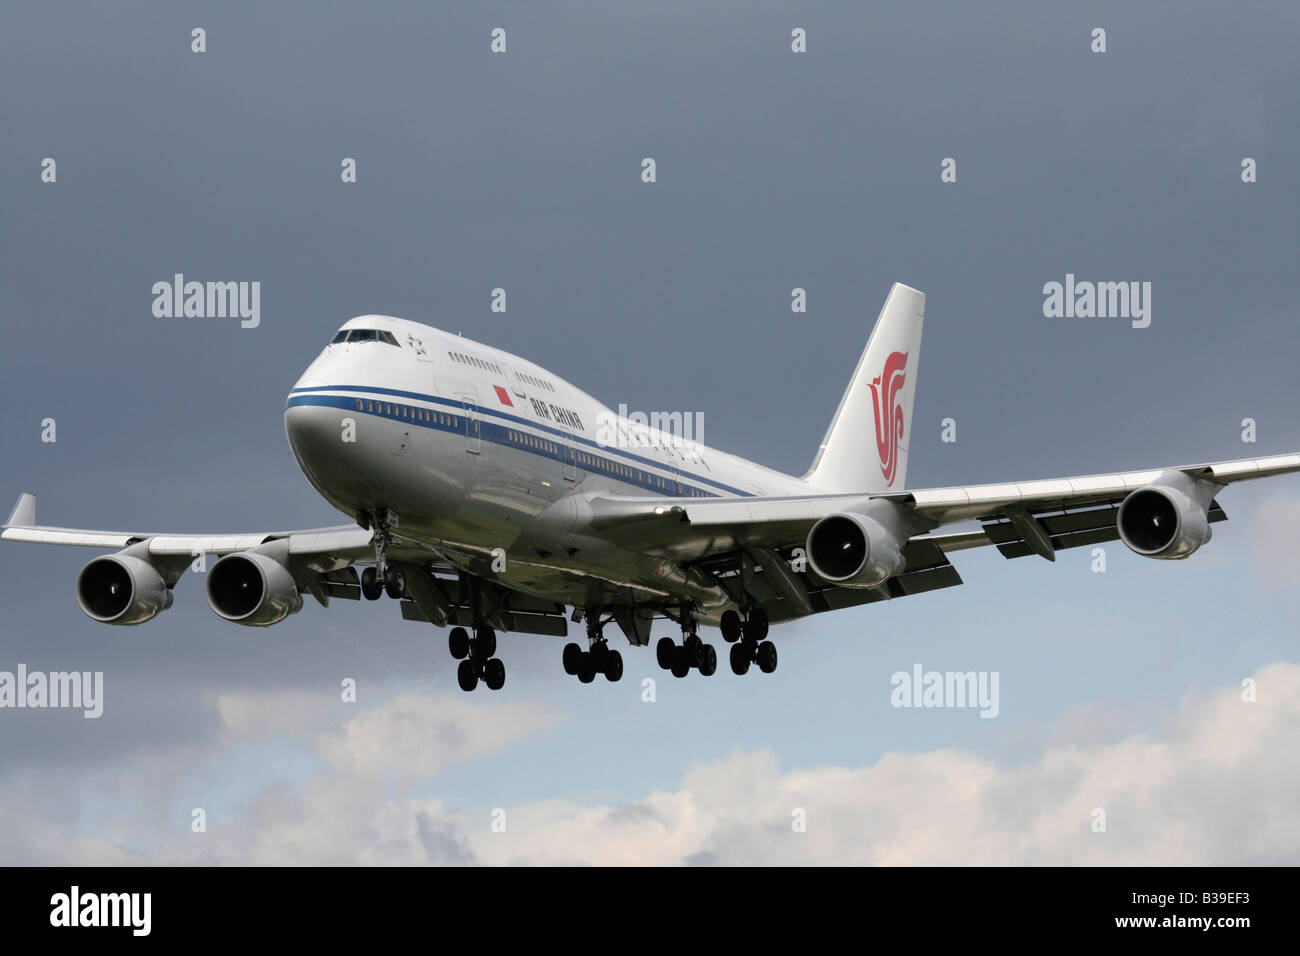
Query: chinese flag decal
(501, 394)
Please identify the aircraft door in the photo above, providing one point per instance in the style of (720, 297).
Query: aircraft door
(570, 460)
(469, 412)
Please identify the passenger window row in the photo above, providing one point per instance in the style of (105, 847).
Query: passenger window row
(484, 364)
(408, 412)
(535, 381)
(532, 441)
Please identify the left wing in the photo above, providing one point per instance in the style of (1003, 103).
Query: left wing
(753, 547)
(691, 528)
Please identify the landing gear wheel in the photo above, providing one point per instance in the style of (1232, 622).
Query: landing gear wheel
(694, 650)
(681, 665)
(766, 657)
(465, 676)
(572, 658)
(613, 666)
(485, 643)
(709, 664)
(587, 668)
(371, 586)
(739, 659)
(731, 627)
(756, 625)
(664, 652)
(394, 583)
(494, 674)
(458, 643)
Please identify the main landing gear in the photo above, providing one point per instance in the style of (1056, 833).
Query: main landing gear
(748, 640)
(585, 665)
(691, 652)
(381, 579)
(475, 656)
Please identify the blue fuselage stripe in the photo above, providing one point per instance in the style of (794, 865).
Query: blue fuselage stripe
(599, 459)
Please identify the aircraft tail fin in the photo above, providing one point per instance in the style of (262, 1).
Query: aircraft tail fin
(865, 448)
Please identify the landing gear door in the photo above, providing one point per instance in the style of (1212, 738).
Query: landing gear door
(473, 427)
(570, 460)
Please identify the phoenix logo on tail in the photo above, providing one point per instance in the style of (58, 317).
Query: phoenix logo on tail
(889, 419)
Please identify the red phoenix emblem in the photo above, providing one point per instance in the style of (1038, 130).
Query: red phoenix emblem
(889, 413)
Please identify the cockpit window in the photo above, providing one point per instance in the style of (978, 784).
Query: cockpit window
(365, 335)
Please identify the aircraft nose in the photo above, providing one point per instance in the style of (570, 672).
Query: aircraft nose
(312, 430)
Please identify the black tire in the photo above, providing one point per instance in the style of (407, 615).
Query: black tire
(465, 676)
(572, 658)
(664, 652)
(394, 583)
(587, 668)
(731, 627)
(613, 666)
(694, 650)
(485, 642)
(458, 643)
(739, 659)
(494, 674)
(681, 663)
(756, 626)
(709, 665)
(766, 657)
(371, 586)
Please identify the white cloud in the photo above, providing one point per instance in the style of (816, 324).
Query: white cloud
(1221, 787)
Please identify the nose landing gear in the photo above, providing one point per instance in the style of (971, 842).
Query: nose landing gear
(381, 579)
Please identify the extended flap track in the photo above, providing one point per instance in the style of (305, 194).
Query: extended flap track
(927, 569)
(1065, 528)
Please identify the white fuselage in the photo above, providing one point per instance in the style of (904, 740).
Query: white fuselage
(477, 450)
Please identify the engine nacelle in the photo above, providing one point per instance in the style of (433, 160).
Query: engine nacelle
(252, 589)
(122, 589)
(854, 550)
(1167, 518)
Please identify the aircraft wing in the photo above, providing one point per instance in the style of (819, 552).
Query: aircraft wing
(1070, 511)
(343, 540)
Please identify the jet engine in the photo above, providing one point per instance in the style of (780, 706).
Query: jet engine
(122, 589)
(252, 589)
(854, 550)
(1169, 518)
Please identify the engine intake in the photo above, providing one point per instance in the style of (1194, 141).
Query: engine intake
(1162, 520)
(121, 589)
(854, 551)
(252, 589)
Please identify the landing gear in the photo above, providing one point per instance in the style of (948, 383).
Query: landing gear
(394, 583)
(751, 645)
(600, 659)
(691, 652)
(381, 579)
(477, 661)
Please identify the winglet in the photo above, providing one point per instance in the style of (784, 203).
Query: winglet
(24, 513)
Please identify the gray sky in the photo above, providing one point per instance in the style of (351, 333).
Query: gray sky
(775, 170)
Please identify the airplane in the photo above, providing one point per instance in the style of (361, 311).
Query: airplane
(489, 495)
